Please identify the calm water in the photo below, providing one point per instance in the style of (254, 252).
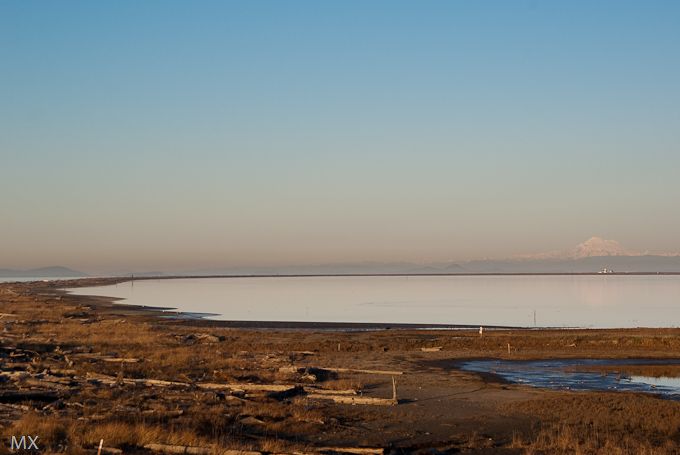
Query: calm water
(561, 301)
(559, 374)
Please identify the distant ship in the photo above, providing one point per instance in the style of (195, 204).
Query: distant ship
(606, 270)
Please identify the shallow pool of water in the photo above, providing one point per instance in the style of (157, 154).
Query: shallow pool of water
(574, 374)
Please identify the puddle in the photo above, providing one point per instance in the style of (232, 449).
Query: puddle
(581, 374)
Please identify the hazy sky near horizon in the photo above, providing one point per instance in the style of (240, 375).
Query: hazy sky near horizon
(178, 135)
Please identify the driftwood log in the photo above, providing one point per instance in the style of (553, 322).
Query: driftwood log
(245, 387)
(293, 369)
(282, 390)
(320, 391)
(345, 399)
(111, 380)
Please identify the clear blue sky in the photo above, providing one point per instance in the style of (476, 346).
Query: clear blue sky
(169, 135)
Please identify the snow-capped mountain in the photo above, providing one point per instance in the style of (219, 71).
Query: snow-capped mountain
(591, 256)
(593, 247)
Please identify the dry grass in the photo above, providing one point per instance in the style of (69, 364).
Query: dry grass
(602, 423)
(576, 440)
(344, 384)
(69, 436)
(54, 433)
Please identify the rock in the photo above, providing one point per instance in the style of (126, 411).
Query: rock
(193, 338)
(232, 400)
(207, 338)
(76, 314)
(250, 420)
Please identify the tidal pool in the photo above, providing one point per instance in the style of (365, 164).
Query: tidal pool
(581, 374)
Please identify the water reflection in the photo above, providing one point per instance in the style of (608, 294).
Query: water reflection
(559, 301)
(570, 374)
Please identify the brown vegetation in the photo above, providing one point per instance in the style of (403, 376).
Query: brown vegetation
(602, 423)
(76, 370)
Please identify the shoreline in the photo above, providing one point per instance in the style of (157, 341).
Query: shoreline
(171, 313)
(168, 315)
(88, 364)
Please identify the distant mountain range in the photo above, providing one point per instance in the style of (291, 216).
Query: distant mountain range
(630, 264)
(591, 256)
(42, 272)
(643, 263)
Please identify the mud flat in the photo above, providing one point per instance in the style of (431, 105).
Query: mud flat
(78, 369)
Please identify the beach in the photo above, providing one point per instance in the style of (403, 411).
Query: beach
(79, 369)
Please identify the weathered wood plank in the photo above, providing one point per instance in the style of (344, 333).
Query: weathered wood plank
(345, 399)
